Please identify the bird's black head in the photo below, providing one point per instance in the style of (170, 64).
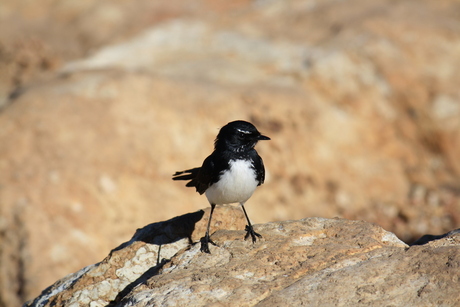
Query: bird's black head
(238, 136)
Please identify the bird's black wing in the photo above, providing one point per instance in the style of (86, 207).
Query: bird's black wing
(200, 177)
(259, 168)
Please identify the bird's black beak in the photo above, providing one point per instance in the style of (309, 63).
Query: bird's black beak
(263, 137)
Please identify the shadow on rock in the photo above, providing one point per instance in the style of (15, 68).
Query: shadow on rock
(159, 233)
(122, 260)
(428, 238)
(166, 232)
(142, 279)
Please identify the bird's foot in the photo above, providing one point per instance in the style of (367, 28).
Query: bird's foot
(204, 244)
(250, 232)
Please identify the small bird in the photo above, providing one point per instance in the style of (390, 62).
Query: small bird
(231, 173)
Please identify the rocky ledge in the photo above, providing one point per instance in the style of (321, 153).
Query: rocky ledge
(308, 262)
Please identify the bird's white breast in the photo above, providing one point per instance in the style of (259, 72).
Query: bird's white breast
(236, 185)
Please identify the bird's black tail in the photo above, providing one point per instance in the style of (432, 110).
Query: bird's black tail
(187, 174)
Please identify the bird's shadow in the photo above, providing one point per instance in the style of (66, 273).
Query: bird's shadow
(160, 233)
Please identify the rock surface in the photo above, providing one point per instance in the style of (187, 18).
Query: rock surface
(312, 262)
(102, 101)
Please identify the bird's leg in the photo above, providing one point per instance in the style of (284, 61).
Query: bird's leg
(206, 239)
(249, 230)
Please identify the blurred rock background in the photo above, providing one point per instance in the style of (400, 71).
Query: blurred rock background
(101, 101)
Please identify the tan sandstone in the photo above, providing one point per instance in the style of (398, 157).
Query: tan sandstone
(101, 101)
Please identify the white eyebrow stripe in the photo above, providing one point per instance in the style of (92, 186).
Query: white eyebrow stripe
(244, 131)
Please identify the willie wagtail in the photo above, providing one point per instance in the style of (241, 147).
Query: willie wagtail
(231, 173)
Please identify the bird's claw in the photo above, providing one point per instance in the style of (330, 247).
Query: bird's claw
(204, 244)
(250, 232)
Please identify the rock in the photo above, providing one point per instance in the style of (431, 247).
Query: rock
(313, 261)
(359, 98)
(428, 238)
(128, 264)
